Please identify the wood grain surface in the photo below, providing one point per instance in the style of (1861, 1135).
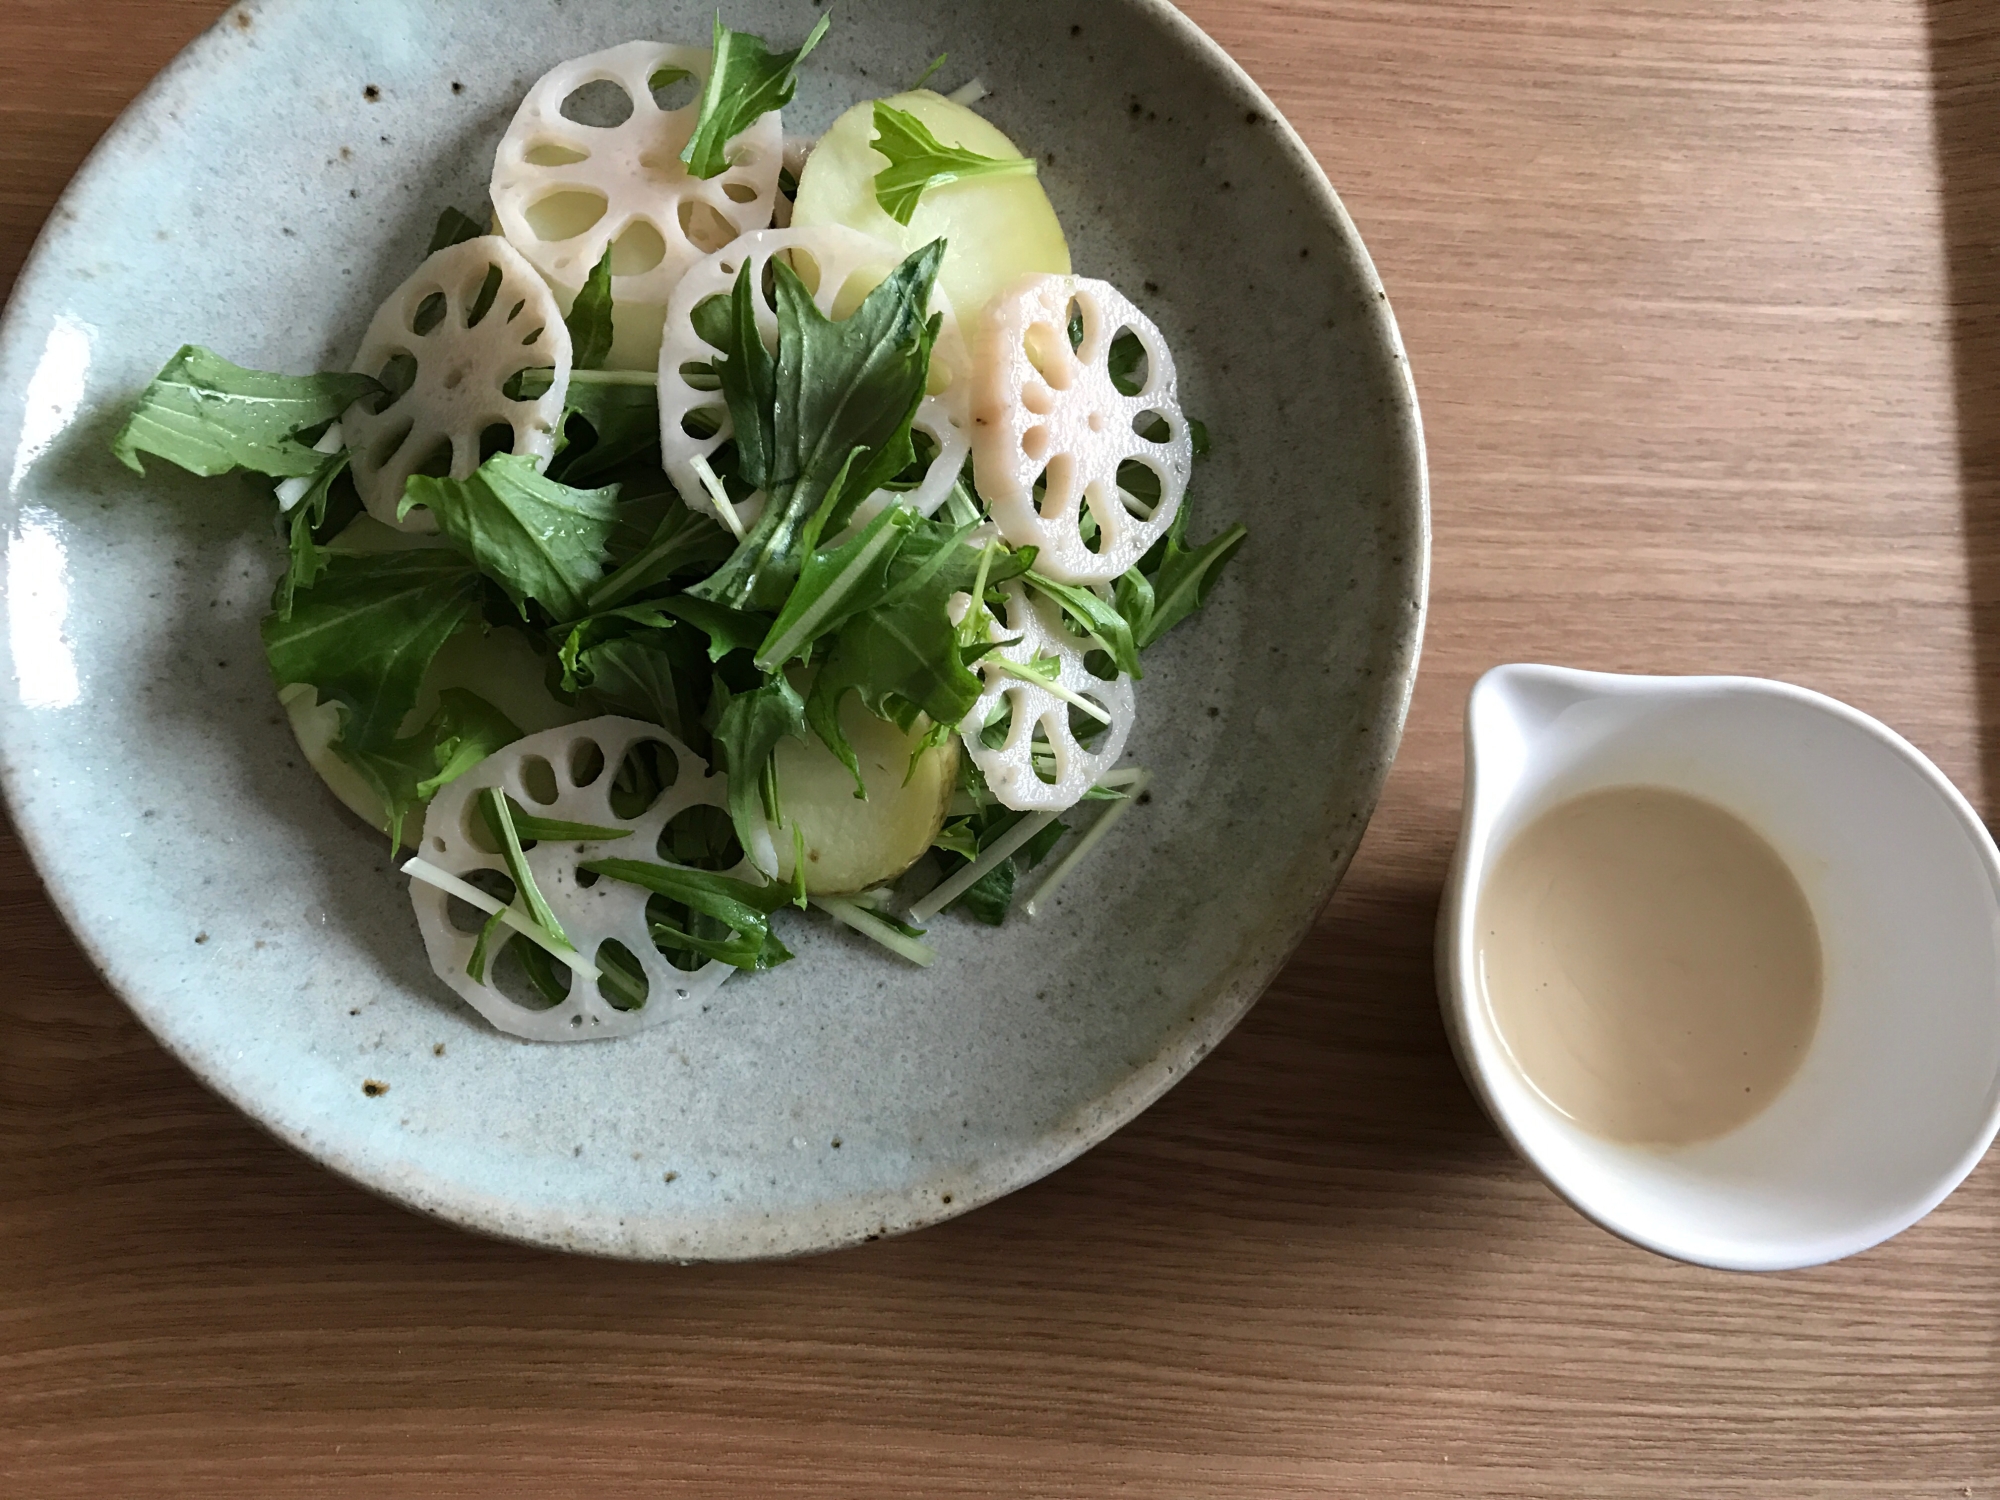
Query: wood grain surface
(1702, 305)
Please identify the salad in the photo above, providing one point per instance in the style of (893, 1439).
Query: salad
(725, 522)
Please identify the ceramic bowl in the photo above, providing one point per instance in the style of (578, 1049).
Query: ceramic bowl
(1898, 1096)
(265, 194)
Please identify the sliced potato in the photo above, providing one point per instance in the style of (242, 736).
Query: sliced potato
(499, 665)
(999, 228)
(851, 844)
(314, 725)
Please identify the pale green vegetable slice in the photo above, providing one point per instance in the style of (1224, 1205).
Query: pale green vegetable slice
(999, 228)
(851, 844)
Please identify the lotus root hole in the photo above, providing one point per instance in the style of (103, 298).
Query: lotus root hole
(1039, 399)
(495, 437)
(553, 154)
(674, 89)
(1035, 443)
(1044, 761)
(466, 917)
(1047, 349)
(1142, 372)
(613, 955)
(398, 374)
(739, 192)
(703, 227)
(507, 975)
(1088, 531)
(436, 461)
(472, 826)
(538, 780)
(640, 248)
(598, 105)
(565, 214)
(700, 837)
(802, 261)
(481, 302)
(646, 772)
(429, 313)
(586, 763)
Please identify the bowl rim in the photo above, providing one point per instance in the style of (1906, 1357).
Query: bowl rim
(1179, 1049)
(1459, 991)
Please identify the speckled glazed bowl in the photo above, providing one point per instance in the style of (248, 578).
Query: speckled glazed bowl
(262, 197)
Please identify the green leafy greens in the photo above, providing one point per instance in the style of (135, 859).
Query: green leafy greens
(454, 227)
(747, 730)
(744, 909)
(1172, 581)
(304, 561)
(837, 415)
(919, 161)
(208, 416)
(746, 79)
(589, 318)
(537, 539)
(962, 840)
(903, 655)
(362, 637)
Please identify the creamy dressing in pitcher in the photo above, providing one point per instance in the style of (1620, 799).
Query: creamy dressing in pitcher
(1651, 963)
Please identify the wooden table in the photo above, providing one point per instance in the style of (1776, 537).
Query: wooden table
(1701, 301)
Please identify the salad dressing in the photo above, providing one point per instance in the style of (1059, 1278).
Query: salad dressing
(1650, 963)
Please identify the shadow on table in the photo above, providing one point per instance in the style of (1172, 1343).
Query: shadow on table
(1965, 76)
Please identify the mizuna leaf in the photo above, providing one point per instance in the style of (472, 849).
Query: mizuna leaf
(208, 416)
(1180, 579)
(1109, 628)
(624, 428)
(454, 227)
(743, 908)
(903, 655)
(843, 396)
(539, 540)
(835, 585)
(589, 318)
(746, 79)
(364, 634)
(747, 731)
(727, 629)
(748, 375)
(463, 732)
(919, 161)
(362, 637)
(304, 560)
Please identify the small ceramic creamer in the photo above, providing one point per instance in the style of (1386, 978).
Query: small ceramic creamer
(1897, 1094)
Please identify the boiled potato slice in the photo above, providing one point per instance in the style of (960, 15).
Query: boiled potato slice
(500, 666)
(851, 844)
(999, 228)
